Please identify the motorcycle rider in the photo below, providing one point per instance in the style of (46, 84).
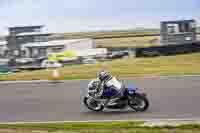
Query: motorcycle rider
(106, 81)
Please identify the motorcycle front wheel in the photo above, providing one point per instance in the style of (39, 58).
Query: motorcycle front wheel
(138, 102)
(93, 104)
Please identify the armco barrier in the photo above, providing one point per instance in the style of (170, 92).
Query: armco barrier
(167, 50)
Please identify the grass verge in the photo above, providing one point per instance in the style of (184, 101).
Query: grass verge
(131, 67)
(96, 127)
(133, 42)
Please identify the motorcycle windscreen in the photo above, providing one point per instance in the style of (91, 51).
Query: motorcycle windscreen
(132, 89)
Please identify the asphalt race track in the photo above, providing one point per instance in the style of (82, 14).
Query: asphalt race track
(170, 98)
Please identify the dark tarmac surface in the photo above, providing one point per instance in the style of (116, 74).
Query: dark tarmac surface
(170, 98)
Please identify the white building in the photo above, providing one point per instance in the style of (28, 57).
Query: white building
(83, 47)
(75, 44)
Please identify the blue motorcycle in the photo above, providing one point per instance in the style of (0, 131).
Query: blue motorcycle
(132, 97)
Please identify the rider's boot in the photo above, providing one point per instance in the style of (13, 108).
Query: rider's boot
(115, 100)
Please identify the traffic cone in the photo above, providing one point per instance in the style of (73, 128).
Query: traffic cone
(56, 75)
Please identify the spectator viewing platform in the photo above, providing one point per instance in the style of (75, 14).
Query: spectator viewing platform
(178, 32)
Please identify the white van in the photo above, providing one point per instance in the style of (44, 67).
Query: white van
(51, 64)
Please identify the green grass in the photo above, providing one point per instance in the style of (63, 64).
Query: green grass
(97, 127)
(131, 67)
(128, 42)
(73, 125)
(107, 34)
(113, 34)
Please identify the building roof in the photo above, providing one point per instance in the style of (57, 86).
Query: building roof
(38, 44)
(20, 27)
(32, 34)
(53, 43)
(178, 21)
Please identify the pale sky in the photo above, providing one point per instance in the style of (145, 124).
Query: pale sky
(91, 15)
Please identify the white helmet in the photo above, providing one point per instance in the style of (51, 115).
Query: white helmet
(103, 75)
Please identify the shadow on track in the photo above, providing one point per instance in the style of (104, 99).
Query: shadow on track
(113, 112)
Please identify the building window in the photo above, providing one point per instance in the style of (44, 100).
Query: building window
(172, 28)
(38, 39)
(180, 28)
(193, 25)
(12, 32)
(37, 30)
(35, 52)
(20, 38)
